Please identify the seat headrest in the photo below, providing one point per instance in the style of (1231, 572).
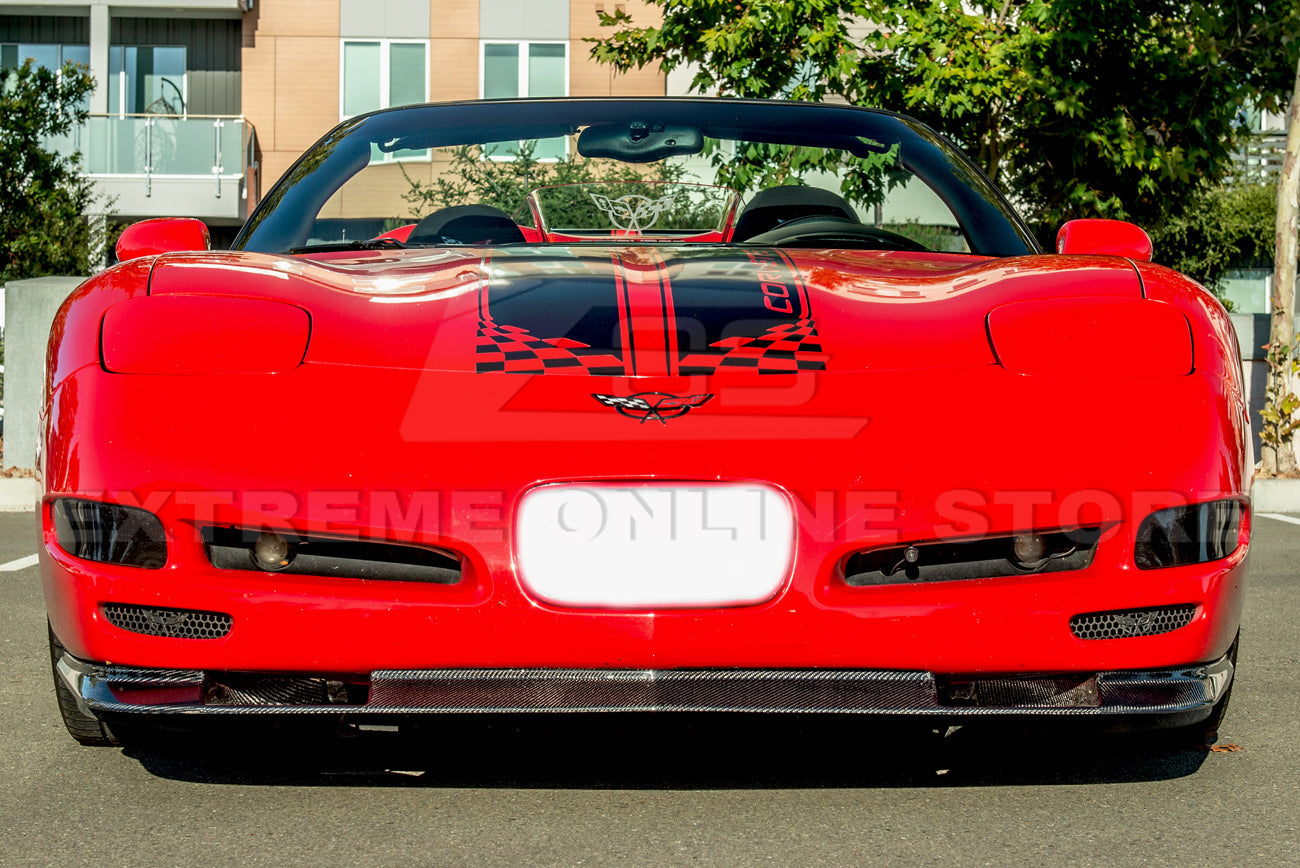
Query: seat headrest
(776, 205)
(467, 224)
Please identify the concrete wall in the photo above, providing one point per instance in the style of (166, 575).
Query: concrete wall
(177, 195)
(1253, 335)
(30, 306)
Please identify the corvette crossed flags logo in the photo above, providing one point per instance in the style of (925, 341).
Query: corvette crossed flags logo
(660, 406)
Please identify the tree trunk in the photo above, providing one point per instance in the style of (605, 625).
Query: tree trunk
(1282, 460)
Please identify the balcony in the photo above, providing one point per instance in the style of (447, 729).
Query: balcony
(153, 165)
(1261, 158)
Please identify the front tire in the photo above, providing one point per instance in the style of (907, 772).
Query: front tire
(85, 728)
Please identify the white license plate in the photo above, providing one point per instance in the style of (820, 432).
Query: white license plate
(654, 545)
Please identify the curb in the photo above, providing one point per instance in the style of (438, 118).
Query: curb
(18, 495)
(1275, 495)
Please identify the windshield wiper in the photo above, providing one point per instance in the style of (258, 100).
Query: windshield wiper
(368, 244)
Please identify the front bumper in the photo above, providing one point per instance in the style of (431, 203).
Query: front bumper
(1180, 694)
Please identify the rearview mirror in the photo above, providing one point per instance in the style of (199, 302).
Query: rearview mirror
(1105, 237)
(639, 142)
(161, 235)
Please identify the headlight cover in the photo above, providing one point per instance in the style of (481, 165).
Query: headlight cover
(109, 533)
(1183, 535)
(1092, 336)
(203, 334)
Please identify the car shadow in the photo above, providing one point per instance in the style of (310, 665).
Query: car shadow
(657, 752)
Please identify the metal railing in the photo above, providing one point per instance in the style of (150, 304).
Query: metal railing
(1261, 158)
(147, 146)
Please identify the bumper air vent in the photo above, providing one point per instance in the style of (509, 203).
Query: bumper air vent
(987, 557)
(232, 548)
(1068, 691)
(233, 689)
(1132, 622)
(172, 623)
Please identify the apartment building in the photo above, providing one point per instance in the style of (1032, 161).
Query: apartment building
(200, 105)
(310, 63)
(165, 135)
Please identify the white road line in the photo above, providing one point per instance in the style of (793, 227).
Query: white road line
(1289, 519)
(24, 563)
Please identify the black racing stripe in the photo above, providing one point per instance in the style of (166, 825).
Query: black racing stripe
(719, 295)
(621, 286)
(798, 280)
(663, 310)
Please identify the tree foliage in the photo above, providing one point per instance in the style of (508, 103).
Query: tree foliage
(1220, 229)
(506, 182)
(1110, 108)
(1278, 422)
(44, 227)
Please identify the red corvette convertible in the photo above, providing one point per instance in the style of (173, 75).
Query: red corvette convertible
(737, 406)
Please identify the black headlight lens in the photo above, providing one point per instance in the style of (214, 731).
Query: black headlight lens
(1186, 535)
(109, 534)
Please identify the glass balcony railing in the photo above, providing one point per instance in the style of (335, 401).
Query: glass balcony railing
(154, 148)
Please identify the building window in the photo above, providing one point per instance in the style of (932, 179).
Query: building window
(147, 79)
(526, 69)
(15, 54)
(382, 73)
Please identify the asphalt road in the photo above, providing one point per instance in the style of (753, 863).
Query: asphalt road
(613, 791)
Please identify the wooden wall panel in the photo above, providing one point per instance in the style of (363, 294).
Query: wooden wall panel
(298, 18)
(453, 69)
(453, 19)
(275, 164)
(588, 78)
(380, 195)
(259, 91)
(306, 90)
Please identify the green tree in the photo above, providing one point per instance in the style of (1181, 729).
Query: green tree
(1113, 108)
(1221, 229)
(44, 224)
(506, 183)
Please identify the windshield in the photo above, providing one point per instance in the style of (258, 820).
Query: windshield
(687, 171)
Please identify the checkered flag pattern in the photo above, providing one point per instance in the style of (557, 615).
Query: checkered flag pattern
(513, 350)
(781, 349)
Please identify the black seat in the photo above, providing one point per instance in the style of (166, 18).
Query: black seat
(777, 205)
(467, 224)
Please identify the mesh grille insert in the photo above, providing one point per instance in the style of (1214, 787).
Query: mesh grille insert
(1132, 622)
(173, 623)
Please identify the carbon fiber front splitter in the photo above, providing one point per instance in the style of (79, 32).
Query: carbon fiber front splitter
(1180, 694)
